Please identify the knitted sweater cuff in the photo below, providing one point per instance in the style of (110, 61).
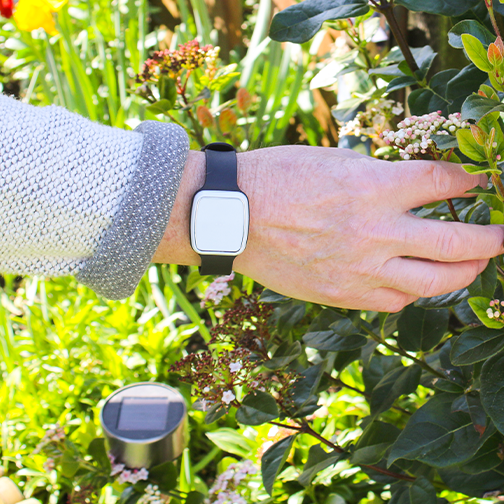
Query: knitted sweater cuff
(125, 251)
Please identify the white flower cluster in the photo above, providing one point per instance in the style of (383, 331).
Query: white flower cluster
(152, 495)
(413, 137)
(226, 490)
(371, 122)
(217, 290)
(127, 475)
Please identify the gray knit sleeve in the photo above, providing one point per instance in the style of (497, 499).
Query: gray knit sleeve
(81, 198)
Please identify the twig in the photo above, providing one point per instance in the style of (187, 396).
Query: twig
(452, 210)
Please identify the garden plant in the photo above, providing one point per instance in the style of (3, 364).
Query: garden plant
(289, 401)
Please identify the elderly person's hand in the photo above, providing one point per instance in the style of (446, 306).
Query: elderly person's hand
(333, 227)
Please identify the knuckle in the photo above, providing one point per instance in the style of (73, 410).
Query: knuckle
(442, 182)
(449, 246)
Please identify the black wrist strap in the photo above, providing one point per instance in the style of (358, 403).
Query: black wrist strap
(221, 175)
(221, 171)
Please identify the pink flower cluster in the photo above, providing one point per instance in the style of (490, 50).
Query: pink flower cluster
(496, 310)
(127, 475)
(54, 435)
(226, 489)
(413, 138)
(217, 290)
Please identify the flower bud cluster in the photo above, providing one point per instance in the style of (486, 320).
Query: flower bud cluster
(371, 123)
(413, 136)
(188, 56)
(230, 486)
(496, 310)
(217, 290)
(126, 475)
(53, 435)
(152, 495)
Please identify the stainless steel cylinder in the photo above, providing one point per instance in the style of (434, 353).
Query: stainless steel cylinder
(145, 424)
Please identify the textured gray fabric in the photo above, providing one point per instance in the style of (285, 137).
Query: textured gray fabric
(124, 253)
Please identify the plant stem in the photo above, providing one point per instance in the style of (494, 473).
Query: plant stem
(387, 9)
(489, 6)
(452, 210)
(402, 352)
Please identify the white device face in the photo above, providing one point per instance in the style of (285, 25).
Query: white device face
(219, 222)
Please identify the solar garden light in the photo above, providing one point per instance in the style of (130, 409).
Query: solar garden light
(145, 424)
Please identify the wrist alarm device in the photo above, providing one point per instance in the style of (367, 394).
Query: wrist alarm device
(220, 213)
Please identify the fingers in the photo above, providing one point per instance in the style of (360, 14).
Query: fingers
(428, 279)
(422, 182)
(385, 299)
(448, 241)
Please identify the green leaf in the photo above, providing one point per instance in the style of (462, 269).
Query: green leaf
(419, 100)
(422, 492)
(476, 170)
(397, 382)
(474, 485)
(257, 408)
(400, 83)
(303, 391)
(475, 345)
(445, 141)
(273, 460)
(467, 81)
(231, 441)
(476, 52)
(300, 22)
(332, 342)
(69, 464)
(485, 283)
(492, 389)
(443, 301)
(470, 148)
(437, 436)
(195, 498)
(193, 280)
(480, 305)
(268, 296)
(160, 107)
(284, 355)
(374, 442)
(98, 452)
(287, 315)
(378, 367)
(486, 458)
(476, 106)
(214, 413)
(421, 330)
(164, 476)
(318, 460)
(470, 403)
(472, 27)
(445, 8)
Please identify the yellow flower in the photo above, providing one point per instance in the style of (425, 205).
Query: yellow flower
(33, 14)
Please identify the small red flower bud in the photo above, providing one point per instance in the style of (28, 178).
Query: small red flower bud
(244, 100)
(227, 120)
(205, 117)
(6, 7)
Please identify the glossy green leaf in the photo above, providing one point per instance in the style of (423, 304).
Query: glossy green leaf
(99, 453)
(476, 52)
(214, 413)
(485, 283)
(195, 498)
(318, 460)
(164, 476)
(470, 148)
(257, 408)
(422, 492)
(400, 83)
(419, 100)
(332, 342)
(486, 458)
(474, 485)
(480, 305)
(231, 441)
(476, 106)
(273, 461)
(397, 382)
(476, 344)
(300, 22)
(374, 442)
(443, 7)
(284, 355)
(492, 389)
(443, 301)
(437, 436)
(445, 141)
(69, 465)
(472, 27)
(421, 330)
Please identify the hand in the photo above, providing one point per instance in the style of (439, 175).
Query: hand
(333, 227)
